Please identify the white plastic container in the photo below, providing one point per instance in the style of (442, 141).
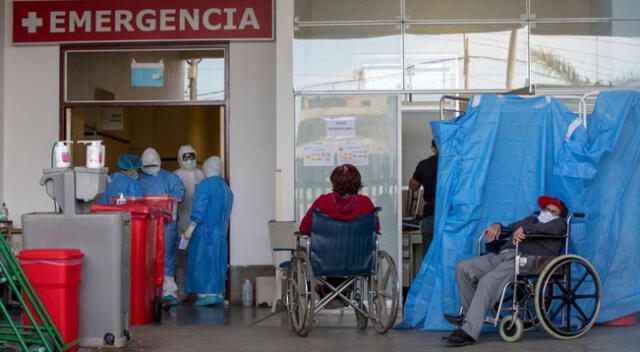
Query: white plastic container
(95, 154)
(62, 154)
(247, 293)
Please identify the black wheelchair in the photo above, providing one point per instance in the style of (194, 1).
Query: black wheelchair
(560, 293)
(347, 250)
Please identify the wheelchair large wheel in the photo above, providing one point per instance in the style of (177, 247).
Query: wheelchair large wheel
(299, 296)
(386, 294)
(568, 297)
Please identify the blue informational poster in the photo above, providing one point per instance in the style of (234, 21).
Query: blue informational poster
(148, 74)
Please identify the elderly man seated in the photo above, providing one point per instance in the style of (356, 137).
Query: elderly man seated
(480, 279)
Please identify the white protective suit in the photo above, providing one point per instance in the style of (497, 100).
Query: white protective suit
(190, 176)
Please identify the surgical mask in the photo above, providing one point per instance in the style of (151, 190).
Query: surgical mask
(135, 176)
(546, 216)
(151, 169)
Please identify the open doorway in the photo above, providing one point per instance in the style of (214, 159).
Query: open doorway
(416, 138)
(130, 130)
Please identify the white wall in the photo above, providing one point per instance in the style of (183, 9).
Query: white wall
(252, 125)
(30, 110)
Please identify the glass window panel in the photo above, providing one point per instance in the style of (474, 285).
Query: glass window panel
(347, 57)
(464, 9)
(109, 75)
(586, 54)
(617, 9)
(466, 56)
(375, 118)
(349, 10)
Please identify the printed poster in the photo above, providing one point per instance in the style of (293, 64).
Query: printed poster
(355, 154)
(319, 155)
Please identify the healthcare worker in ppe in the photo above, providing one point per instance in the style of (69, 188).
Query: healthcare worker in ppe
(207, 264)
(123, 182)
(157, 181)
(190, 176)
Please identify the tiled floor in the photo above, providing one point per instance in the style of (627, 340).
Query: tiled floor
(231, 329)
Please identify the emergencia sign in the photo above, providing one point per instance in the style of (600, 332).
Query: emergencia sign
(141, 20)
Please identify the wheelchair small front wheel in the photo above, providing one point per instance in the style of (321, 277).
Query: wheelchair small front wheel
(387, 293)
(511, 329)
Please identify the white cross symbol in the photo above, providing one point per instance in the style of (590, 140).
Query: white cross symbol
(32, 22)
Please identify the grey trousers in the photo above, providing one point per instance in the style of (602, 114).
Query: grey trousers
(480, 282)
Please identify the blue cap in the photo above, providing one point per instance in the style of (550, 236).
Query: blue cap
(129, 162)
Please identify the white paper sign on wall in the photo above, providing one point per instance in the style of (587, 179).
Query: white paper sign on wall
(354, 154)
(340, 127)
(319, 155)
(112, 119)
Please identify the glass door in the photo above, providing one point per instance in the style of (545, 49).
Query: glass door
(350, 129)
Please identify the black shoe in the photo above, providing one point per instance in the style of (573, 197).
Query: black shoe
(455, 320)
(458, 338)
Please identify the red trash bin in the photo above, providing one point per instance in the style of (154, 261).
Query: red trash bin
(55, 275)
(165, 208)
(144, 222)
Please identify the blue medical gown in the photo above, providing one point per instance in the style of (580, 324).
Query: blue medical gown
(211, 209)
(120, 183)
(165, 182)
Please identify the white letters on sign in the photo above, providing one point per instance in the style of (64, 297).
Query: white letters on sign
(146, 20)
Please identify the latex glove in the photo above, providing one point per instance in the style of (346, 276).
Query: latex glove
(189, 232)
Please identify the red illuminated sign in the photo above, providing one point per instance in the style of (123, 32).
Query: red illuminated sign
(141, 20)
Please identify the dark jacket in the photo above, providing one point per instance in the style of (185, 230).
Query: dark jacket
(536, 246)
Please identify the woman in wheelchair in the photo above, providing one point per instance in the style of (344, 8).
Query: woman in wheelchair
(338, 248)
(481, 279)
(342, 203)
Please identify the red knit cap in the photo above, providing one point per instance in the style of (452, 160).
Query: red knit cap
(546, 200)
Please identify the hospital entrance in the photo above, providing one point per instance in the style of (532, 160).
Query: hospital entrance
(161, 97)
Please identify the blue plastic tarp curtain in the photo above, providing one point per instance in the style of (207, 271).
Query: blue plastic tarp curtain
(498, 158)
(598, 173)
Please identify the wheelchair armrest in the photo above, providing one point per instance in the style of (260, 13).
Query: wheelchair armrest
(301, 234)
(544, 235)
